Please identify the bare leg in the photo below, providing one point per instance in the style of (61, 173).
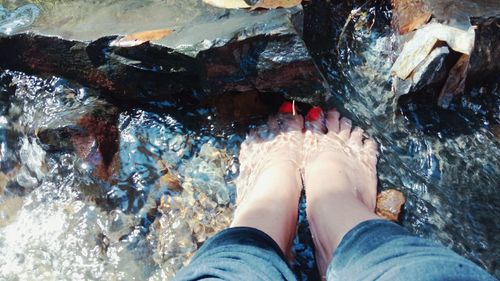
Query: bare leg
(269, 184)
(340, 180)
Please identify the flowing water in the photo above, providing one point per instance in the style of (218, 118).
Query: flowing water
(70, 211)
(61, 219)
(445, 161)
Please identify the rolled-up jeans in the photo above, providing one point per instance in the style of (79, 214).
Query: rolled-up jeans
(373, 250)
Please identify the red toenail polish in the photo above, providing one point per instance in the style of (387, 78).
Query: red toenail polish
(286, 107)
(314, 114)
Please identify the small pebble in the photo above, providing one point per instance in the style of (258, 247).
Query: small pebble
(389, 204)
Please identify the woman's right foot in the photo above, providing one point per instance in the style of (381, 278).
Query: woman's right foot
(340, 180)
(269, 184)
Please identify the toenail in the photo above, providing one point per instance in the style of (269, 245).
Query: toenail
(314, 114)
(286, 107)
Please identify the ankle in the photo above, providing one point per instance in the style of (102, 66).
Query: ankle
(279, 223)
(332, 215)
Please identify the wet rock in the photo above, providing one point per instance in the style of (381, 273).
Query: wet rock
(453, 13)
(265, 63)
(485, 58)
(455, 82)
(214, 51)
(410, 15)
(389, 204)
(98, 148)
(141, 72)
(424, 40)
(102, 242)
(433, 70)
(468, 28)
(104, 131)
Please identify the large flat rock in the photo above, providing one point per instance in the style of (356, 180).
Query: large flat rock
(211, 52)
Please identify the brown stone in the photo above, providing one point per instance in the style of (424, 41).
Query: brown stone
(389, 203)
(410, 15)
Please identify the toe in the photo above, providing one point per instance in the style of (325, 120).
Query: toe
(287, 119)
(287, 107)
(356, 138)
(263, 133)
(370, 145)
(273, 125)
(315, 120)
(370, 148)
(253, 135)
(345, 128)
(290, 122)
(333, 121)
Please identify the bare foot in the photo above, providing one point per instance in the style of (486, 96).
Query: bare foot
(340, 180)
(269, 184)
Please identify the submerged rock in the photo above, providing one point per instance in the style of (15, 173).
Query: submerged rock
(389, 204)
(93, 135)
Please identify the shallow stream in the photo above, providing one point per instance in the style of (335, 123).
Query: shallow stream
(64, 215)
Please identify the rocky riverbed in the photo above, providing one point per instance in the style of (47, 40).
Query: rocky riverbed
(118, 162)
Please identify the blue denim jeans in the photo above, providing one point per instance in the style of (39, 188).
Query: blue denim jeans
(373, 250)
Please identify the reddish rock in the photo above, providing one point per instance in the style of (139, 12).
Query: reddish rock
(93, 136)
(410, 15)
(104, 133)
